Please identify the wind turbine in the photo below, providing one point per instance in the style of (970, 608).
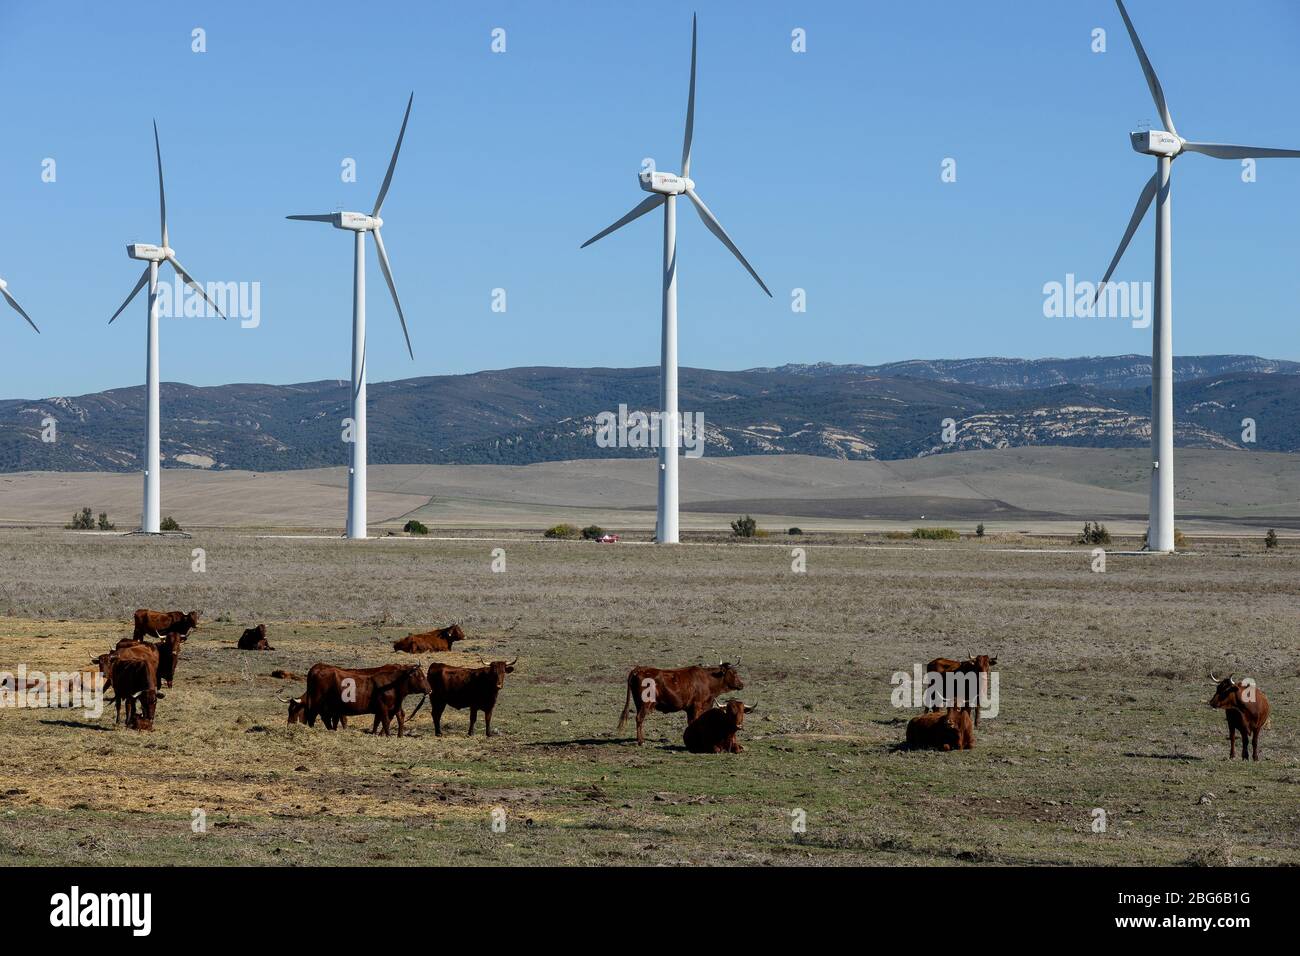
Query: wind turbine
(1165, 145)
(664, 188)
(150, 516)
(4, 291)
(360, 224)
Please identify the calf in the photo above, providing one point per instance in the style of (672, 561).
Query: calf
(1246, 709)
(158, 623)
(473, 687)
(254, 639)
(435, 641)
(949, 729)
(714, 731)
(692, 689)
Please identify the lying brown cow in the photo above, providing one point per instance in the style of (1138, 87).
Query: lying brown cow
(169, 655)
(254, 639)
(714, 731)
(473, 687)
(971, 672)
(949, 729)
(438, 640)
(692, 689)
(1246, 709)
(334, 693)
(134, 675)
(160, 623)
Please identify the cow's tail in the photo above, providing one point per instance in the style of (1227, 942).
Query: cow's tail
(627, 705)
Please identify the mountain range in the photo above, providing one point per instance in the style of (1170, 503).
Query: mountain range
(526, 415)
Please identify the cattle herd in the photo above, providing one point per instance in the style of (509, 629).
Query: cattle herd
(137, 670)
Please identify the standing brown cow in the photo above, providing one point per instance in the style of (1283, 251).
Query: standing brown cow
(1246, 709)
(334, 693)
(473, 687)
(692, 689)
(134, 675)
(254, 639)
(169, 655)
(438, 640)
(973, 673)
(949, 729)
(160, 623)
(714, 731)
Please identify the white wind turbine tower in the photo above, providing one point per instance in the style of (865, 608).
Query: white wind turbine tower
(1165, 145)
(4, 291)
(150, 516)
(359, 224)
(664, 188)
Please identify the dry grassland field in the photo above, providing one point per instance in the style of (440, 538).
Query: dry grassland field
(1103, 691)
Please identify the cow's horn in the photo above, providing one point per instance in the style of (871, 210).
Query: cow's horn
(1213, 679)
(515, 661)
(411, 715)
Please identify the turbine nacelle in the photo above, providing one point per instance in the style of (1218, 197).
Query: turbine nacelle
(356, 221)
(666, 184)
(1157, 142)
(149, 252)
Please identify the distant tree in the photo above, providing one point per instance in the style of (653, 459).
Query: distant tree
(979, 530)
(169, 524)
(103, 522)
(795, 531)
(1093, 534)
(745, 527)
(415, 527)
(85, 521)
(1270, 539)
(593, 532)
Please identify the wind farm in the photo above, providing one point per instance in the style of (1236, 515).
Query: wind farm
(888, 567)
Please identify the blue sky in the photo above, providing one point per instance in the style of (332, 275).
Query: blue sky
(824, 166)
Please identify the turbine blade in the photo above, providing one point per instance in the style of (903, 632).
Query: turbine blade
(19, 309)
(1226, 151)
(1139, 211)
(144, 278)
(1157, 93)
(189, 281)
(388, 277)
(392, 163)
(715, 227)
(690, 110)
(641, 208)
(323, 217)
(162, 196)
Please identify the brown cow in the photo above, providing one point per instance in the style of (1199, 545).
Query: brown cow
(159, 623)
(949, 729)
(438, 640)
(134, 674)
(473, 687)
(714, 731)
(169, 655)
(254, 639)
(1246, 709)
(978, 665)
(692, 689)
(336, 692)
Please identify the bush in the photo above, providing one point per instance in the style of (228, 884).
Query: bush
(935, 534)
(593, 532)
(83, 522)
(415, 527)
(795, 531)
(1180, 539)
(979, 530)
(103, 522)
(169, 524)
(897, 535)
(561, 531)
(1093, 534)
(745, 527)
(1270, 539)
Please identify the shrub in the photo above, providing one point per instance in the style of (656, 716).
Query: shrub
(745, 527)
(593, 532)
(169, 524)
(979, 530)
(104, 524)
(415, 527)
(1180, 539)
(1270, 539)
(795, 531)
(561, 531)
(897, 535)
(83, 522)
(1093, 534)
(935, 534)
